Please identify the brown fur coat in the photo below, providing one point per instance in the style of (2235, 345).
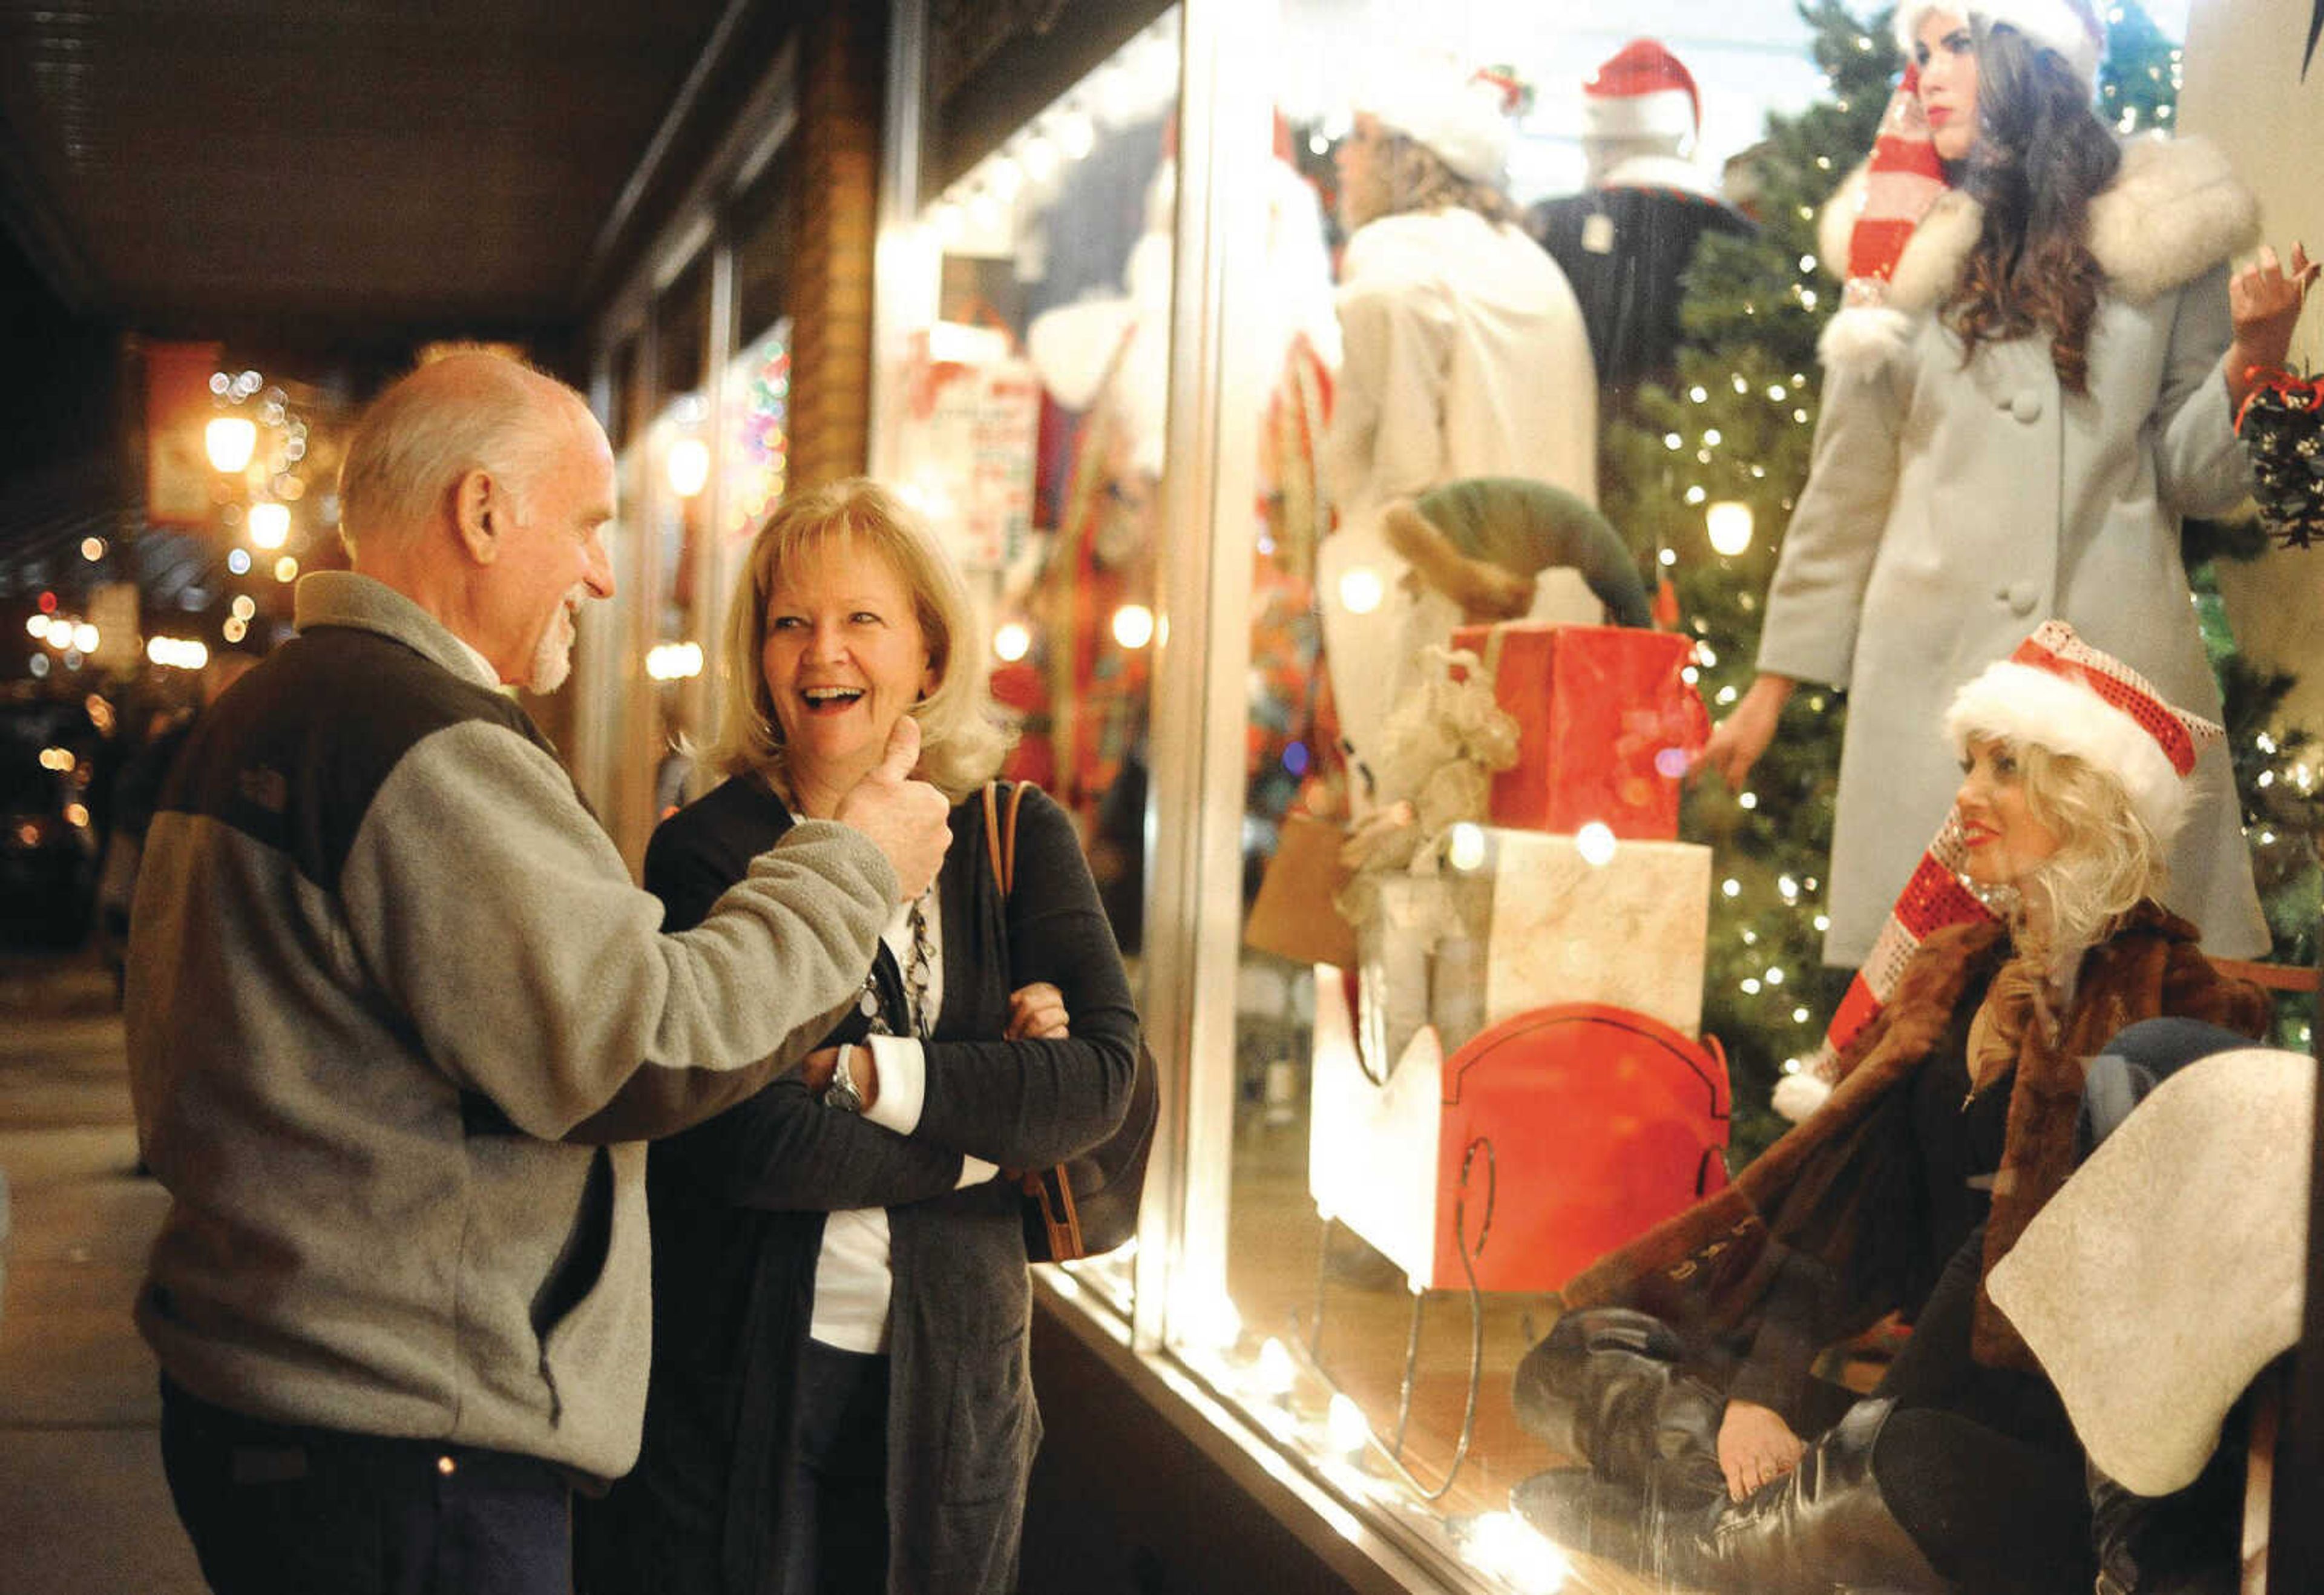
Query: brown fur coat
(1817, 1189)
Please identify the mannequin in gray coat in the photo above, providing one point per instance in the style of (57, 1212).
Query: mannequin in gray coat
(1963, 490)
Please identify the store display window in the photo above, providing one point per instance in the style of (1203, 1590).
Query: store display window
(1025, 414)
(1429, 1079)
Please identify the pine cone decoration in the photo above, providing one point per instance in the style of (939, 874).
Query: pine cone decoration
(2281, 424)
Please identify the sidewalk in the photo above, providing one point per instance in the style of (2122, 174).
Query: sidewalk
(83, 1506)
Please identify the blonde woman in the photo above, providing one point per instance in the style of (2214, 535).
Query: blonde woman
(840, 1398)
(1681, 1369)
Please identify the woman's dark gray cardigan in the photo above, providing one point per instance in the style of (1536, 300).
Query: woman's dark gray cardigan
(738, 1208)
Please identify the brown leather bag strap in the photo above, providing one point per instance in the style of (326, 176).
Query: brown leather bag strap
(1009, 839)
(1000, 835)
(992, 835)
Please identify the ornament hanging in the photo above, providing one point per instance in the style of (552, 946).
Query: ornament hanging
(2281, 424)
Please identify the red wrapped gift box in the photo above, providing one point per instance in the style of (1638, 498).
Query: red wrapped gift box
(1606, 725)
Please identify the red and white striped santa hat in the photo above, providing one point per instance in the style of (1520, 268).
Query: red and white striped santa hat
(2055, 692)
(1903, 178)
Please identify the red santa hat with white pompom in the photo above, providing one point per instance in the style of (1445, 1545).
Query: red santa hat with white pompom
(1642, 91)
(2055, 692)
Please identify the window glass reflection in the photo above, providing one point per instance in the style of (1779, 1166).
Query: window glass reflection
(1425, 355)
(1028, 422)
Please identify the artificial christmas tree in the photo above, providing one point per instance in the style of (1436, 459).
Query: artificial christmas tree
(1724, 456)
(1704, 478)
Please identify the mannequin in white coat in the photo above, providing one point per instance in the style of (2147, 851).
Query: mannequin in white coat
(1464, 356)
(2015, 415)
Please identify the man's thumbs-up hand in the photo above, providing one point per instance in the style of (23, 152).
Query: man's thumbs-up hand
(906, 819)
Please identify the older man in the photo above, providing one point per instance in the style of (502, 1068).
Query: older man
(384, 961)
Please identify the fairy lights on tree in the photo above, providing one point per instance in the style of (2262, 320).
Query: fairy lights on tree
(1704, 479)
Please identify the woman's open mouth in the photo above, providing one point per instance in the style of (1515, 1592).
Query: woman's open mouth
(830, 700)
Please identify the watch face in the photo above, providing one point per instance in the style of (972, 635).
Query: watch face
(840, 1093)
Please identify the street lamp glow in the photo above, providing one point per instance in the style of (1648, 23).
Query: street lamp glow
(1361, 590)
(1465, 848)
(1729, 523)
(230, 438)
(270, 525)
(85, 637)
(1012, 642)
(674, 661)
(1595, 843)
(1134, 625)
(688, 465)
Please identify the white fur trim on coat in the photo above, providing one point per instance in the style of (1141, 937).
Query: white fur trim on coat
(2174, 211)
(2025, 703)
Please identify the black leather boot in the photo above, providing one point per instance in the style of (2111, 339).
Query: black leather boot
(1576, 1510)
(2185, 1543)
(1820, 1527)
(1606, 1388)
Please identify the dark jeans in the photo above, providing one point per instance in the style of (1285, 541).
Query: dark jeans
(1980, 1464)
(281, 1510)
(831, 1533)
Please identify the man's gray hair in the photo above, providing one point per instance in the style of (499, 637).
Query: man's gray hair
(471, 409)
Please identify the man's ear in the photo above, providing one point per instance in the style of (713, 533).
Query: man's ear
(479, 511)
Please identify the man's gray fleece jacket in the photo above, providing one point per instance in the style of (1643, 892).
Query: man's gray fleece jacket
(383, 957)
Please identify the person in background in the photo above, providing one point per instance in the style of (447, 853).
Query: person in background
(1625, 241)
(2030, 381)
(388, 978)
(1464, 354)
(840, 1396)
(137, 791)
(1681, 1370)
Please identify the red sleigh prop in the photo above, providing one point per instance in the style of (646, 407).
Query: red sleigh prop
(1539, 1145)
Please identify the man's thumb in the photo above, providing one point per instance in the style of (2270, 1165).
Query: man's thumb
(903, 751)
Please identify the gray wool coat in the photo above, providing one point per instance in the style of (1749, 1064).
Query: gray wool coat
(1951, 508)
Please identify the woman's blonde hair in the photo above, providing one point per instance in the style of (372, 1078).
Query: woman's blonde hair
(1412, 177)
(2107, 862)
(961, 743)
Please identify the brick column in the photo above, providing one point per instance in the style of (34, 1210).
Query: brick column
(842, 71)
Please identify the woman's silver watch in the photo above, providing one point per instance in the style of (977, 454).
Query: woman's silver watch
(840, 1093)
